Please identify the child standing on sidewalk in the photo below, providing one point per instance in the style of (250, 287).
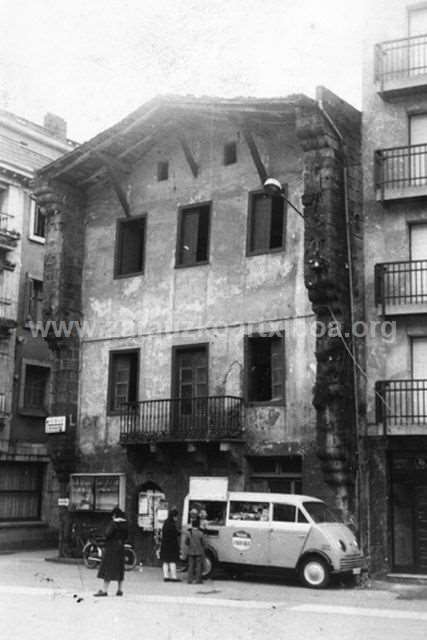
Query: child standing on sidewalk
(194, 545)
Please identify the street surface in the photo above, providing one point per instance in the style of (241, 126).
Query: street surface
(53, 601)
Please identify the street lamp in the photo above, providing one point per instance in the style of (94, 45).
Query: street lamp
(274, 187)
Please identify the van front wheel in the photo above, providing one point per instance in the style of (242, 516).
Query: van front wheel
(314, 572)
(209, 565)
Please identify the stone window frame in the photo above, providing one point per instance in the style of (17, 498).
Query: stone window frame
(32, 235)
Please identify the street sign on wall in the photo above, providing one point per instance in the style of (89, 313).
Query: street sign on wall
(55, 424)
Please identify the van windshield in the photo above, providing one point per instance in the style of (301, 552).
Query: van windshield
(319, 512)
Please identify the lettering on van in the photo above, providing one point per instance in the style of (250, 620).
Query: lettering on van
(241, 540)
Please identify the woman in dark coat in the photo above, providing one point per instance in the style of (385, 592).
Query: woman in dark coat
(112, 566)
(169, 548)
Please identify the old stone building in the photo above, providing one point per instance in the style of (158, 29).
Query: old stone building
(25, 361)
(183, 303)
(395, 239)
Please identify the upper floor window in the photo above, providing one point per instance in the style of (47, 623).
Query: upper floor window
(266, 223)
(193, 235)
(130, 247)
(123, 379)
(265, 369)
(162, 171)
(37, 223)
(230, 153)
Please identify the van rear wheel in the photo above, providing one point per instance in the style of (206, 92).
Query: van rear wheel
(314, 572)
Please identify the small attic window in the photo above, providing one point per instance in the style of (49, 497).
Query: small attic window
(230, 153)
(162, 170)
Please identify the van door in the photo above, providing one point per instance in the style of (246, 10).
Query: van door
(245, 539)
(288, 534)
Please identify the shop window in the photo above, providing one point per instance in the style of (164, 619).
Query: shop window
(97, 492)
(34, 388)
(162, 171)
(193, 235)
(123, 379)
(20, 490)
(265, 369)
(276, 474)
(130, 247)
(230, 153)
(266, 223)
(251, 511)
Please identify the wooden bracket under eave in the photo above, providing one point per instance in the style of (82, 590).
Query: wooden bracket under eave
(114, 169)
(262, 172)
(189, 156)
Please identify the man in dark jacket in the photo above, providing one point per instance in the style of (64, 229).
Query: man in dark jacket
(169, 548)
(112, 566)
(194, 546)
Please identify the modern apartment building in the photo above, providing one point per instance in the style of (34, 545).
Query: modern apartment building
(395, 240)
(24, 359)
(189, 297)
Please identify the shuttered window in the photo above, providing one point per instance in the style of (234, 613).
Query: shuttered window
(193, 235)
(266, 223)
(130, 247)
(265, 369)
(20, 490)
(123, 385)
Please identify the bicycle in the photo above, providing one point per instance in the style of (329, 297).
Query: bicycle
(93, 552)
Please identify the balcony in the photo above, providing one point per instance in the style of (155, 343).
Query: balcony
(401, 66)
(8, 235)
(3, 413)
(8, 306)
(401, 287)
(401, 406)
(202, 419)
(401, 172)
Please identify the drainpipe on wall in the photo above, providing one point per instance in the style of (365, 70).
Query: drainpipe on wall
(352, 321)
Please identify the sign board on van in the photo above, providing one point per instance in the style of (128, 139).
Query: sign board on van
(241, 540)
(55, 424)
(208, 488)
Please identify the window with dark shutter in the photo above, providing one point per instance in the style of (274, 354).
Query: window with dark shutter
(265, 369)
(266, 223)
(230, 153)
(123, 385)
(193, 235)
(130, 247)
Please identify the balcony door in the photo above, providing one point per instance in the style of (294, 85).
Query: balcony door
(190, 381)
(419, 380)
(418, 244)
(417, 153)
(417, 27)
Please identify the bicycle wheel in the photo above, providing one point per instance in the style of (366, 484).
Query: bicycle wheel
(130, 559)
(92, 555)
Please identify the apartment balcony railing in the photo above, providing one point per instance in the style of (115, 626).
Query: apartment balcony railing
(8, 305)
(210, 418)
(401, 172)
(401, 65)
(401, 287)
(8, 235)
(401, 406)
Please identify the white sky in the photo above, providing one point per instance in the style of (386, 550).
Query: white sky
(94, 61)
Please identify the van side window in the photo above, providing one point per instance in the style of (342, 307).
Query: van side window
(210, 512)
(301, 516)
(253, 511)
(284, 513)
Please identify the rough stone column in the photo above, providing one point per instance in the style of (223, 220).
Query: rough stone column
(327, 283)
(63, 207)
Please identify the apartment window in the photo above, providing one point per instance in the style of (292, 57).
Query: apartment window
(123, 386)
(21, 486)
(37, 223)
(230, 153)
(193, 235)
(34, 309)
(130, 246)
(265, 369)
(162, 171)
(34, 389)
(281, 474)
(266, 223)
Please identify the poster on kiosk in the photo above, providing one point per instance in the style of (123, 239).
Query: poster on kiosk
(152, 510)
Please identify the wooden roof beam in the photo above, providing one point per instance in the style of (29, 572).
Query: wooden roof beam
(189, 156)
(111, 166)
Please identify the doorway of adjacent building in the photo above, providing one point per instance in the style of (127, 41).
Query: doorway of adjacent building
(190, 384)
(409, 512)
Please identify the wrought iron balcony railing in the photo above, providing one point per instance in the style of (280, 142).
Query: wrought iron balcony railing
(207, 418)
(400, 168)
(403, 58)
(401, 285)
(401, 403)
(2, 404)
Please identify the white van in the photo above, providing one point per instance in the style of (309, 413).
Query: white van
(246, 530)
